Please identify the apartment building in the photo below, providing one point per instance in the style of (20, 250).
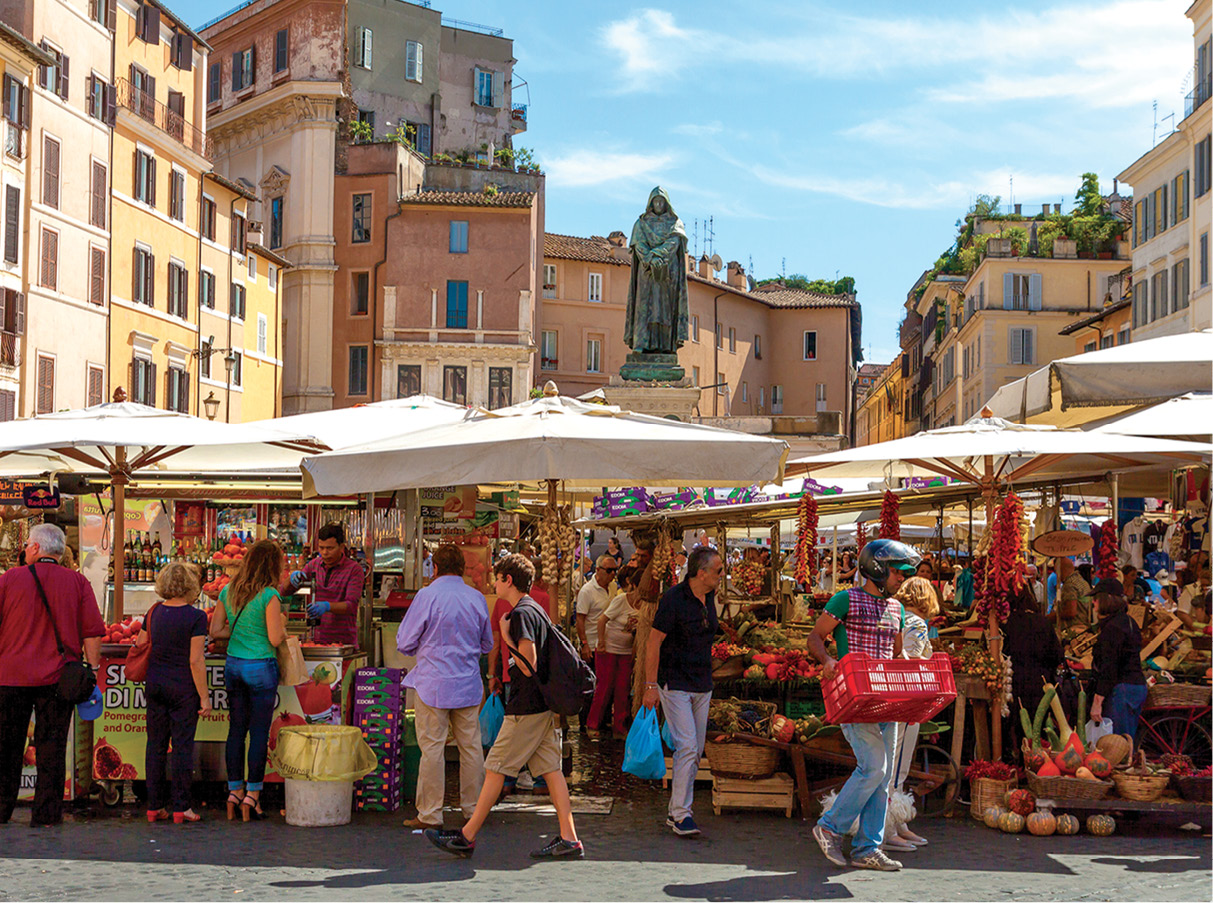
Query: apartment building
(64, 247)
(1173, 185)
(879, 415)
(19, 62)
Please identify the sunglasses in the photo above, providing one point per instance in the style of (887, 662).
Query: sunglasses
(608, 570)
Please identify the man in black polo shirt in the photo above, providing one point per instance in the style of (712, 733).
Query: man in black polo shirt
(678, 671)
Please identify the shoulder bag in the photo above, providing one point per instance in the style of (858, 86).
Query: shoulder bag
(139, 657)
(76, 680)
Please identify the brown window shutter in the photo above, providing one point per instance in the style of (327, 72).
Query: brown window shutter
(97, 209)
(137, 275)
(97, 276)
(17, 300)
(111, 15)
(46, 385)
(5, 309)
(151, 169)
(63, 77)
(12, 222)
(110, 108)
(96, 388)
(23, 112)
(50, 259)
(150, 280)
(50, 172)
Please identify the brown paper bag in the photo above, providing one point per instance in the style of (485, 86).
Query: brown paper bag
(291, 669)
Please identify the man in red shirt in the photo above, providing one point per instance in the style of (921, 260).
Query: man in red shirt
(336, 581)
(30, 665)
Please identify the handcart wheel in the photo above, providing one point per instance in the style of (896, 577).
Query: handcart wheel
(111, 793)
(1177, 733)
(937, 795)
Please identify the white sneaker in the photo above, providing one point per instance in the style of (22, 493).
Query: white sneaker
(876, 860)
(525, 781)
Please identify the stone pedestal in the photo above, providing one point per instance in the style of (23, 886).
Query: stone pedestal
(675, 400)
(651, 367)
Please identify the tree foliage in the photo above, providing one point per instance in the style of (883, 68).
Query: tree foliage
(1088, 201)
(843, 286)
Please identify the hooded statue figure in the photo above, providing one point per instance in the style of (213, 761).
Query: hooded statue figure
(657, 294)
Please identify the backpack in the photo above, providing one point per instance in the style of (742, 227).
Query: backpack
(565, 681)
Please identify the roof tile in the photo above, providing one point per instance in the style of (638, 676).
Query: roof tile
(471, 198)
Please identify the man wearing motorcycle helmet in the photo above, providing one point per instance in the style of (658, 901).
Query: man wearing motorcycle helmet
(867, 620)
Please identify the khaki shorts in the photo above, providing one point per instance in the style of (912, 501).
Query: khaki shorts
(531, 740)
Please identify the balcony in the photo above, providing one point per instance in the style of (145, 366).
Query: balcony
(549, 291)
(10, 351)
(146, 107)
(1198, 95)
(518, 117)
(14, 141)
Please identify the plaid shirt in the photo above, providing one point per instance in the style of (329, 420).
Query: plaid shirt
(340, 583)
(872, 624)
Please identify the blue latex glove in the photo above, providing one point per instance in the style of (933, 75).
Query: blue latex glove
(298, 578)
(318, 608)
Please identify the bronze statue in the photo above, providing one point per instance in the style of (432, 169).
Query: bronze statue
(657, 318)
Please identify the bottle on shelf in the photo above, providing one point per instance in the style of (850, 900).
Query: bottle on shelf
(157, 546)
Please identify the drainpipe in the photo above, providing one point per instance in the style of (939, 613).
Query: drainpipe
(198, 338)
(716, 350)
(109, 223)
(374, 288)
(278, 343)
(231, 269)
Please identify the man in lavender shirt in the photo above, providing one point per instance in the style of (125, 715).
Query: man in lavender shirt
(447, 629)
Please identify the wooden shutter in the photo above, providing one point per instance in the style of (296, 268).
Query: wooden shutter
(23, 109)
(151, 180)
(367, 40)
(10, 113)
(98, 194)
(61, 90)
(46, 385)
(111, 14)
(96, 386)
(50, 172)
(1016, 349)
(213, 89)
(12, 221)
(1035, 301)
(6, 309)
(184, 49)
(96, 281)
(183, 391)
(281, 50)
(498, 89)
(44, 72)
(1008, 291)
(150, 277)
(50, 259)
(236, 83)
(17, 301)
(8, 405)
(151, 23)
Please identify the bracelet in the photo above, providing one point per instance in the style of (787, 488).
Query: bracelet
(652, 687)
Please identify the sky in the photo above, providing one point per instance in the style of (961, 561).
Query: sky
(831, 138)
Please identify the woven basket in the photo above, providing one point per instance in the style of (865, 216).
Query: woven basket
(729, 669)
(987, 792)
(740, 759)
(1178, 696)
(1068, 788)
(1141, 787)
(762, 727)
(1196, 790)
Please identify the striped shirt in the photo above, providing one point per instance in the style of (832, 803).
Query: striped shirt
(340, 583)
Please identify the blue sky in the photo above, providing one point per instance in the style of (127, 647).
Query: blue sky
(843, 137)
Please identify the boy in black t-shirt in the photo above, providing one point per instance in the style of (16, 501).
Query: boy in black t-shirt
(529, 735)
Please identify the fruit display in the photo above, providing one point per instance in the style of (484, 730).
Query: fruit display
(1101, 825)
(1067, 824)
(1022, 802)
(738, 716)
(807, 727)
(215, 587)
(123, 632)
(992, 814)
(806, 540)
(786, 665)
(557, 539)
(1109, 551)
(747, 577)
(232, 552)
(783, 729)
(890, 524)
(722, 652)
(1006, 563)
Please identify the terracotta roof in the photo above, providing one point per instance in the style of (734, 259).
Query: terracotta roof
(242, 190)
(471, 198)
(777, 294)
(594, 249)
(271, 256)
(11, 36)
(872, 370)
(1095, 318)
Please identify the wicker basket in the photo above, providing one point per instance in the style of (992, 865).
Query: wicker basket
(987, 792)
(1178, 696)
(729, 669)
(1068, 788)
(762, 727)
(741, 759)
(1196, 790)
(1141, 787)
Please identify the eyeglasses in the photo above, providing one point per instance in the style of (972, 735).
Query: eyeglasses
(608, 570)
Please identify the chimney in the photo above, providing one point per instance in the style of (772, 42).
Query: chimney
(705, 267)
(1115, 186)
(736, 276)
(1044, 208)
(1057, 208)
(1019, 209)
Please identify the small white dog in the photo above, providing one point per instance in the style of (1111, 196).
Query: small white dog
(897, 818)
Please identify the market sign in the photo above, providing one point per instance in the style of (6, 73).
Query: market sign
(12, 492)
(448, 503)
(1062, 543)
(40, 496)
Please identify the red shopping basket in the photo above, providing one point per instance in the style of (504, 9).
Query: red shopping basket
(867, 690)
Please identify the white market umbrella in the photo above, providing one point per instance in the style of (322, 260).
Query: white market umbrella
(344, 427)
(551, 438)
(1189, 417)
(123, 439)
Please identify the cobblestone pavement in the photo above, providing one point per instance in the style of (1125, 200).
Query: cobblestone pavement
(115, 854)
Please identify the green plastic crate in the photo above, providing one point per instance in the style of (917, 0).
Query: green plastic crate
(802, 708)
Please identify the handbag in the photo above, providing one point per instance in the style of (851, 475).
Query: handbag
(292, 670)
(77, 680)
(139, 657)
(219, 643)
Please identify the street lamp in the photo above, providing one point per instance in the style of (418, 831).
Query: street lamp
(211, 403)
(229, 362)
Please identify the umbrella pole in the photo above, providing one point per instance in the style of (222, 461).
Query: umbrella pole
(994, 637)
(118, 482)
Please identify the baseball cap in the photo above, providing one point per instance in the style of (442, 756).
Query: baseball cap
(91, 708)
(904, 568)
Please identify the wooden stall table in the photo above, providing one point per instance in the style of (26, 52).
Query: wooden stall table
(973, 691)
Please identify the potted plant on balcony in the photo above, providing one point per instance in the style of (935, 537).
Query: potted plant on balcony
(504, 157)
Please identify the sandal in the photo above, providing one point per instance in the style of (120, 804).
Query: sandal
(234, 802)
(155, 815)
(250, 809)
(189, 816)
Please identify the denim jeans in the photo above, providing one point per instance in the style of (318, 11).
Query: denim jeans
(252, 689)
(687, 715)
(172, 713)
(865, 795)
(1124, 707)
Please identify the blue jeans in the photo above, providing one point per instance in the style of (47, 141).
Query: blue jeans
(252, 690)
(687, 715)
(865, 795)
(1124, 707)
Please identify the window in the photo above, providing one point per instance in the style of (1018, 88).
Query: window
(177, 392)
(276, 222)
(236, 302)
(694, 376)
(44, 403)
(49, 271)
(501, 387)
(244, 73)
(1140, 297)
(695, 329)
(547, 350)
(367, 117)
(1160, 210)
(145, 178)
(358, 369)
(1203, 164)
(272, 277)
(455, 384)
(1158, 296)
(1179, 197)
(281, 50)
(1022, 342)
(16, 115)
(1021, 291)
(205, 350)
(744, 391)
(96, 275)
(206, 289)
(362, 47)
(412, 61)
(8, 405)
(251, 266)
(1122, 337)
(12, 223)
(239, 233)
(144, 289)
(12, 319)
(719, 336)
(408, 380)
(810, 349)
(1179, 285)
(360, 294)
(1090, 346)
(1204, 258)
(143, 382)
(55, 76)
(237, 368)
(1106, 341)
(50, 172)
(206, 223)
(762, 397)
(757, 347)
(98, 196)
(549, 280)
(94, 387)
(101, 100)
(176, 195)
(361, 218)
(214, 82)
(776, 399)
(488, 88)
(732, 340)
(595, 288)
(459, 237)
(722, 384)
(103, 12)
(593, 356)
(456, 305)
(147, 23)
(178, 291)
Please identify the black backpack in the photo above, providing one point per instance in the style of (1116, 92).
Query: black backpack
(565, 680)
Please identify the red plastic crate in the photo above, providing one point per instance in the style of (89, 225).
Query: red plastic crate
(866, 690)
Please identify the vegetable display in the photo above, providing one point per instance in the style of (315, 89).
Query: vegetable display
(1109, 550)
(890, 525)
(747, 575)
(806, 540)
(861, 536)
(557, 540)
(1006, 565)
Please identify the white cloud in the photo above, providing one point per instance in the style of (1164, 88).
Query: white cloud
(699, 129)
(583, 168)
(649, 44)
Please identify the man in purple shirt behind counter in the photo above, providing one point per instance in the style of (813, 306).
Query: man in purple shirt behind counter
(447, 629)
(336, 580)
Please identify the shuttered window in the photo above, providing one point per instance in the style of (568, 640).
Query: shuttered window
(281, 50)
(96, 386)
(96, 275)
(177, 392)
(145, 178)
(214, 90)
(143, 382)
(178, 291)
(48, 272)
(207, 225)
(50, 172)
(44, 403)
(8, 405)
(413, 61)
(98, 196)
(176, 204)
(12, 222)
(143, 290)
(1021, 350)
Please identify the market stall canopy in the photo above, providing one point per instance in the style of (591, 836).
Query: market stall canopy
(988, 451)
(550, 438)
(1098, 384)
(344, 427)
(1187, 417)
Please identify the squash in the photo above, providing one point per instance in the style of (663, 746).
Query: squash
(1115, 748)
(1042, 823)
(1098, 765)
(1101, 825)
(1085, 773)
(1067, 824)
(1006, 799)
(1069, 760)
(1011, 823)
(1034, 758)
(992, 815)
(1049, 770)
(1022, 802)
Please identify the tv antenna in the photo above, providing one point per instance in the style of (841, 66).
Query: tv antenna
(709, 236)
(695, 236)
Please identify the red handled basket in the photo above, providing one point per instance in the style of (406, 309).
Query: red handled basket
(867, 690)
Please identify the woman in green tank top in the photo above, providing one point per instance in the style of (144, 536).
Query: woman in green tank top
(250, 615)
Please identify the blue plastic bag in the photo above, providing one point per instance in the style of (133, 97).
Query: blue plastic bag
(642, 754)
(666, 737)
(491, 717)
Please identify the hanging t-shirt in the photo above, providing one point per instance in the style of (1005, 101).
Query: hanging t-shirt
(1152, 537)
(1131, 548)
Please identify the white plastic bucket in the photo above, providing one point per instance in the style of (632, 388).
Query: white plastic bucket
(318, 804)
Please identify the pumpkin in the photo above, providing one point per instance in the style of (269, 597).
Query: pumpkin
(992, 815)
(1042, 823)
(1049, 770)
(1085, 773)
(1069, 760)
(1034, 758)
(1101, 825)
(1022, 802)
(1012, 823)
(1097, 764)
(1115, 748)
(1067, 824)
(1006, 799)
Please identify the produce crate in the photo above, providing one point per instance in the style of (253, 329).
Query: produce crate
(391, 700)
(775, 792)
(803, 708)
(703, 774)
(870, 691)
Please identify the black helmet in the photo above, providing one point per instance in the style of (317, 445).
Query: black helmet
(880, 556)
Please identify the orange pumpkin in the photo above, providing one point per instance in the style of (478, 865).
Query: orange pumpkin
(1067, 824)
(1049, 770)
(1101, 825)
(1042, 823)
(1069, 760)
(1022, 802)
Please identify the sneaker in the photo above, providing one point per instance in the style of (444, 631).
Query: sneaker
(525, 782)
(540, 786)
(831, 845)
(559, 848)
(685, 828)
(876, 860)
(452, 842)
(669, 821)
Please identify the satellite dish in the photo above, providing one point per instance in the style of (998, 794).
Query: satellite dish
(716, 262)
